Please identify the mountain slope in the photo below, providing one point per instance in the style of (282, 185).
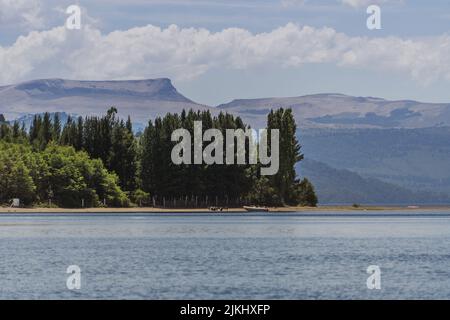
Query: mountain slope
(335, 186)
(342, 111)
(417, 159)
(142, 99)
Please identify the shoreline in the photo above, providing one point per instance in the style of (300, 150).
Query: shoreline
(230, 210)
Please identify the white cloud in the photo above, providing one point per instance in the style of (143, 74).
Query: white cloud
(351, 3)
(148, 52)
(366, 3)
(26, 13)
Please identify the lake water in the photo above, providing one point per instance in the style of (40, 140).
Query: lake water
(198, 256)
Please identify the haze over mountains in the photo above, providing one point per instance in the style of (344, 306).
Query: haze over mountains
(401, 146)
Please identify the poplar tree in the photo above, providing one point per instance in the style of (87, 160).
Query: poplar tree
(284, 181)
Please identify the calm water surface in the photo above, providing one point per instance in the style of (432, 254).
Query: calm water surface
(198, 256)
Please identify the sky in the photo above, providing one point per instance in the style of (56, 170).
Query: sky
(219, 50)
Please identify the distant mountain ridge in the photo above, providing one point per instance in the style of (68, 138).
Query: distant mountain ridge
(340, 111)
(146, 99)
(142, 99)
(416, 159)
(340, 186)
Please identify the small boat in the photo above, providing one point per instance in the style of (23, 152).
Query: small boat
(256, 209)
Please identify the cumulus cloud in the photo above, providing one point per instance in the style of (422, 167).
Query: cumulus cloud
(25, 12)
(186, 53)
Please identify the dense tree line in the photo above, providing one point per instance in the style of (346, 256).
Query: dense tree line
(107, 138)
(57, 175)
(222, 183)
(98, 159)
(162, 178)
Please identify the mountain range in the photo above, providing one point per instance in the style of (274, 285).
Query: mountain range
(145, 99)
(340, 111)
(398, 146)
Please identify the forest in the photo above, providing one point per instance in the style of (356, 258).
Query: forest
(100, 162)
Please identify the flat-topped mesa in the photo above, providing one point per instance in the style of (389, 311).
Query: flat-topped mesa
(150, 88)
(140, 99)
